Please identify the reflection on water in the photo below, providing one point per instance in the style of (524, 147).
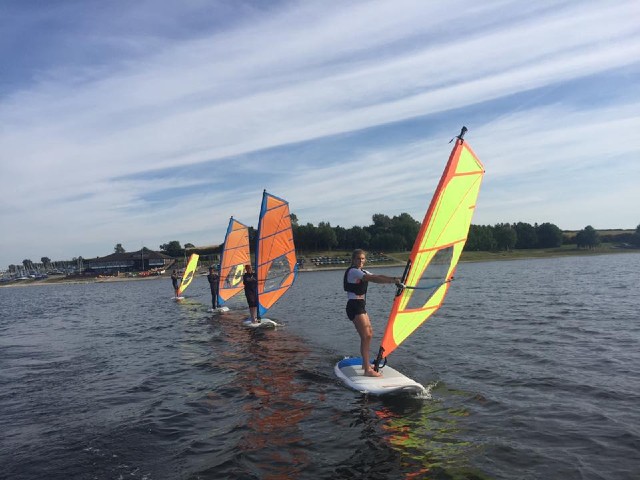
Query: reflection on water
(406, 437)
(264, 392)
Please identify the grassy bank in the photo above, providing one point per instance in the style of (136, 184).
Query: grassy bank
(564, 251)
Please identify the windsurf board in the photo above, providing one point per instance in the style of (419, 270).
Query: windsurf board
(264, 323)
(350, 371)
(219, 310)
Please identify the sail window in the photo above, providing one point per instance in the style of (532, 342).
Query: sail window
(278, 272)
(432, 278)
(235, 276)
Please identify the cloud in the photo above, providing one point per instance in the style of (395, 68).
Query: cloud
(165, 128)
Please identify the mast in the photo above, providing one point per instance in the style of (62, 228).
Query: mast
(263, 208)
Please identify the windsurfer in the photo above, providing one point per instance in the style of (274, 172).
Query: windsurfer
(213, 278)
(174, 281)
(355, 284)
(250, 282)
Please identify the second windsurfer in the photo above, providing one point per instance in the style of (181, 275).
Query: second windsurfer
(250, 282)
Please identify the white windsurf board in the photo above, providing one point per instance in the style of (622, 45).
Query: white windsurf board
(264, 323)
(176, 299)
(350, 371)
(219, 310)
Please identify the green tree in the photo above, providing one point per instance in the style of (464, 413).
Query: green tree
(172, 248)
(253, 236)
(480, 239)
(381, 224)
(386, 242)
(357, 237)
(527, 237)
(406, 228)
(588, 237)
(46, 262)
(505, 236)
(341, 236)
(119, 248)
(327, 238)
(303, 237)
(549, 236)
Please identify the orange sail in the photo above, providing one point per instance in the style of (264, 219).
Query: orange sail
(189, 272)
(276, 263)
(235, 255)
(437, 248)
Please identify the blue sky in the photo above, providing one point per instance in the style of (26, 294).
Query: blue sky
(149, 121)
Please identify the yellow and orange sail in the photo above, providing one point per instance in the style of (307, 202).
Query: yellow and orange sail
(437, 247)
(276, 263)
(235, 255)
(189, 272)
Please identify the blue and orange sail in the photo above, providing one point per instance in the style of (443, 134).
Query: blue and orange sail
(189, 272)
(276, 263)
(437, 248)
(235, 255)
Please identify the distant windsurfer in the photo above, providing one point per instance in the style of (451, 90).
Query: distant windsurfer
(250, 282)
(355, 282)
(213, 278)
(174, 281)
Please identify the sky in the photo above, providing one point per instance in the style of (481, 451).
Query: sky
(144, 122)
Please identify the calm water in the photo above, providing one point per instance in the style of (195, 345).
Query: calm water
(533, 369)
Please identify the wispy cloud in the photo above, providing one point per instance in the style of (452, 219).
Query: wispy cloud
(160, 122)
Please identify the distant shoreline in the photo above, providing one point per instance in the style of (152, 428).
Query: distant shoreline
(468, 257)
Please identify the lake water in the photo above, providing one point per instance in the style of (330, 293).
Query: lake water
(533, 368)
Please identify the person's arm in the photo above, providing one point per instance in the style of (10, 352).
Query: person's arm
(370, 277)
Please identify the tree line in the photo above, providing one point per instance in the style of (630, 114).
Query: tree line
(396, 234)
(393, 234)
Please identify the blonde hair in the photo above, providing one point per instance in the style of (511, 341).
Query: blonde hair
(356, 253)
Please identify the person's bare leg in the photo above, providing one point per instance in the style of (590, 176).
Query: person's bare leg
(363, 326)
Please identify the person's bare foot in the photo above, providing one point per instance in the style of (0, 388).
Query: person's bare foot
(372, 373)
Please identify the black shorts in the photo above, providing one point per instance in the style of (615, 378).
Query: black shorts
(252, 299)
(355, 307)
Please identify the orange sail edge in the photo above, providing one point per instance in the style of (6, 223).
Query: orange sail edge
(189, 273)
(276, 262)
(437, 248)
(235, 255)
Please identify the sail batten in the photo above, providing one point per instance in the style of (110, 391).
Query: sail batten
(437, 248)
(431, 249)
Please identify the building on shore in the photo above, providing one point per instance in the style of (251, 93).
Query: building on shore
(139, 261)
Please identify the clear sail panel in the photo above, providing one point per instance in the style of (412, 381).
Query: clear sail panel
(433, 277)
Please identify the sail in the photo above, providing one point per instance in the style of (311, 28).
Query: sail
(189, 273)
(276, 263)
(235, 255)
(437, 247)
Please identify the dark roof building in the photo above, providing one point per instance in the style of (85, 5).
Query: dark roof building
(129, 261)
